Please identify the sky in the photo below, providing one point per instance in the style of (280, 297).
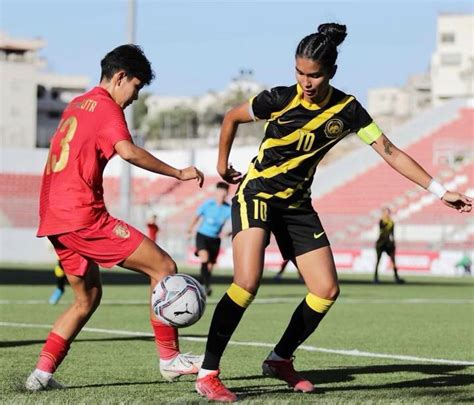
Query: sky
(196, 46)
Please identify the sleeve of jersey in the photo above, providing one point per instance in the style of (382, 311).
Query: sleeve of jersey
(201, 209)
(264, 104)
(113, 129)
(366, 128)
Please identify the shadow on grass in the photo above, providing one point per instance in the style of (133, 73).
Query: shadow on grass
(20, 343)
(116, 384)
(435, 379)
(17, 385)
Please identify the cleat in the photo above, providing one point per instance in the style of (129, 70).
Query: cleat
(36, 383)
(208, 291)
(212, 388)
(182, 364)
(284, 370)
(56, 296)
(399, 280)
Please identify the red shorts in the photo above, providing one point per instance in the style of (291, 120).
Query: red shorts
(108, 242)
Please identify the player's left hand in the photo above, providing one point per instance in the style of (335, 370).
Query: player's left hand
(457, 201)
(230, 175)
(191, 173)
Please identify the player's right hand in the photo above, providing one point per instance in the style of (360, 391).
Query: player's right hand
(230, 175)
(191, 173)
(458, 201)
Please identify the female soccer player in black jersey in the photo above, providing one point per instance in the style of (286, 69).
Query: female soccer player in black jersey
(303, 122)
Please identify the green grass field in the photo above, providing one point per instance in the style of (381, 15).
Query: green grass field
(430, 319)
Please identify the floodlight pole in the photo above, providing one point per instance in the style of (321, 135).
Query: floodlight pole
(126, 172)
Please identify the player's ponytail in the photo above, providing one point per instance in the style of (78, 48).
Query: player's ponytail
(322, 45)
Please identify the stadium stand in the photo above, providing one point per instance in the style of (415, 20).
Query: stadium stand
(348, 200)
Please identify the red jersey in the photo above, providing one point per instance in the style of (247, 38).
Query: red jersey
(71, 189)
(152, 231)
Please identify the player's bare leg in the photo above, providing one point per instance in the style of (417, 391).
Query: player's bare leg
(154, 262)
(248, 248)
(87, 294)
(319, 273)
(377, 261)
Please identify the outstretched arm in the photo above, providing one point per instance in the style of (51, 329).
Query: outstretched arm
(232, 119)
(409, 168)
(141, 158)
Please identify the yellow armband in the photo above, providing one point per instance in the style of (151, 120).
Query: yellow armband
(370, 133)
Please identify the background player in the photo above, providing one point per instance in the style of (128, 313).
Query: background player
(465, 263)
(212, 215)
(386, 243)
(60, 278)
(153, 228)
(74, 218)
(303, 122)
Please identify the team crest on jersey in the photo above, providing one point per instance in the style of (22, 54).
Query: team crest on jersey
(333, 128)
(122, 231)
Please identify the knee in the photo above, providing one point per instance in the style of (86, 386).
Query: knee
(250, 286)
(166, 267)
(88, 303)
(169, 266)
(330, 292)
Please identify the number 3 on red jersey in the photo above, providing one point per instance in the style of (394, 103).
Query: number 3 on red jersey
(66, 130)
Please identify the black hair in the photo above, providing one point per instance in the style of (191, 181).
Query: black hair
(129, 58)
(222, 185)
(322, 45)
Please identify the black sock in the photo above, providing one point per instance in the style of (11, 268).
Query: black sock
(207, 278)
(302, 324)
(204, 274)
(227, 316)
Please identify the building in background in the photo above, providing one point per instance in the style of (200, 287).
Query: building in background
(31, 101)
(54, 92)
(170, 119)
(452, 63)
(450, 76)
(391, 106)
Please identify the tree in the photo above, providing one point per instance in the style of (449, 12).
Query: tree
(176, 123)
(140, 110)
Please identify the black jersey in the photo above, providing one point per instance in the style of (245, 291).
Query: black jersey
(386, 235)
(297, 136)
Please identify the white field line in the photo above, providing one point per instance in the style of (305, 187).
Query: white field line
(308, 348)
(274, 300)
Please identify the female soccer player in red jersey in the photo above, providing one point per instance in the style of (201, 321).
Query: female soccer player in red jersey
(303, 122)
(74, 218)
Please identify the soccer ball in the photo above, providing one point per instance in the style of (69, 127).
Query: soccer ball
(178, 300)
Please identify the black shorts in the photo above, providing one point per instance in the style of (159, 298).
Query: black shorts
(297, 230)
(211, 245)
(388, 248)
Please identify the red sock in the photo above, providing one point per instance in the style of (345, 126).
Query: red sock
(53, 353)
(166, 339)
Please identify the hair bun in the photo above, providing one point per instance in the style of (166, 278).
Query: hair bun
(336, 32)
